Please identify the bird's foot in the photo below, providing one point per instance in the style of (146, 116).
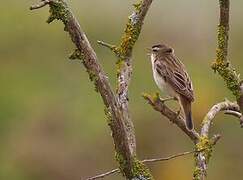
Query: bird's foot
(168, 99)
(178, 113)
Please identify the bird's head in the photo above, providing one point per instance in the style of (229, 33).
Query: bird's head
(161, 49)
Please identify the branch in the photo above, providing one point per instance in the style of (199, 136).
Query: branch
(221, 64)
(116, 107)
(160, 106)
(238, 115)
(124, 62)
(124, 69)
(202, 158)
(144, 161)
(208, 119)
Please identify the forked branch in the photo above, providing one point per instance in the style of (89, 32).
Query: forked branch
(116, 105)
(205, 142)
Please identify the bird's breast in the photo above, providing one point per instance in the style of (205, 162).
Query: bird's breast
(161, 81)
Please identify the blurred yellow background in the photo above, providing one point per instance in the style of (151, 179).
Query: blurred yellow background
(52, 124)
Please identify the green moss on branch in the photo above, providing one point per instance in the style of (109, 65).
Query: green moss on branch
(139, 170)
(203, 152)
(222, 66)
(59, 11)
(204, 146)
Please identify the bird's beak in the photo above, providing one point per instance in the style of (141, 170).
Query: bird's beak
(149, 51)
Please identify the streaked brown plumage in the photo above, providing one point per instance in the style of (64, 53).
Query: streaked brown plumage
(170, 75)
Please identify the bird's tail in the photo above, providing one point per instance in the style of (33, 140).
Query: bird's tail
(186, 105)
(189, 123)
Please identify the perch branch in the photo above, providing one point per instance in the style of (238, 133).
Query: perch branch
(160, 106)
(221, 64)
(144, 161)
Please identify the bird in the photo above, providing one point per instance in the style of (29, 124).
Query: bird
(171, 76)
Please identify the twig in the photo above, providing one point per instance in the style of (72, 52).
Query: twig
(233, 113)
(144, 161)
(215, 139)
(104, 174)
(109, 46)
(168, 158)
(237, 114)
(40, 4)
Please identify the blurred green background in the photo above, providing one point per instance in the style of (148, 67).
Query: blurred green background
(52, 124)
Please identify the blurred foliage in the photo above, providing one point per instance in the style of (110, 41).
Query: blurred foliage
(52, 124)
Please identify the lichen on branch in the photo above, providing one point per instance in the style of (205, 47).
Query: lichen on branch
(117, 112)
(221, 64)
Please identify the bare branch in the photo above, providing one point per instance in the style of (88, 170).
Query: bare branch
(233, 113)
(237, 114)
(160, 106)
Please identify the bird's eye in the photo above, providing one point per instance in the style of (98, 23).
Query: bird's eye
(155, 49)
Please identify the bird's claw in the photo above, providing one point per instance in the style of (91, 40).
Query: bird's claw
(178, 113)
(168, 99)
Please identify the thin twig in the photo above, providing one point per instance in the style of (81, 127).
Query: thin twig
(167, 158)
(104, 174)
(215, 139)
(144, 161)
(109, 46)
(233, 113)
(237, 114)
(40, 4)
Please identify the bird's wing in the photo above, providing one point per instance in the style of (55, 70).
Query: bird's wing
(174, 73)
